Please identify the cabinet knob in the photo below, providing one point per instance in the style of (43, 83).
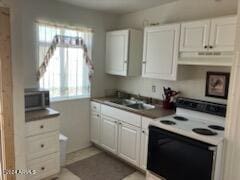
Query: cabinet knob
(98, 115)
(125, 62)
(42, 168)
(120, 123)
(205, 47)
(210, 47)
(42, 126)
(143, 131)
(116, 122)
(144, 62)
(42, 145)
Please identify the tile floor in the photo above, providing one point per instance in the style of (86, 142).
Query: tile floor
(85, 153)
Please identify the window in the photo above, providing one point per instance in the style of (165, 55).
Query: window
(67, 73)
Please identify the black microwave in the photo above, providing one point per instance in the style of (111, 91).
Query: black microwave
(36, 99)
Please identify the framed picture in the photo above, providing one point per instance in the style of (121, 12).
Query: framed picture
(217, 84)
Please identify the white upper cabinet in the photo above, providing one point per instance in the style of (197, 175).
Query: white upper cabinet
(160, 53)
(123, 52)
(195, 36)
(222, 36)
(216, 35)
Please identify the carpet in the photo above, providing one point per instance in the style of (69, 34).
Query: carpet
(100, 167)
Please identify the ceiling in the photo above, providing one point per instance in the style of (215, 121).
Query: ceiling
(117, 6)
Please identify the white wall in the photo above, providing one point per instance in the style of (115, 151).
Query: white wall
(74, 114)
(193, 85)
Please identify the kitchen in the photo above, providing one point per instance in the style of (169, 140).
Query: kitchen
(187, 76)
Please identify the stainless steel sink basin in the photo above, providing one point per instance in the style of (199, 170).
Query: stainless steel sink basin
(141, 106)
(132, 104)
(124, 102)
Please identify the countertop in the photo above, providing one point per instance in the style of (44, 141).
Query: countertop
(155, 113)
(40, 114)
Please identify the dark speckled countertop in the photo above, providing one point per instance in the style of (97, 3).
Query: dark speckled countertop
(155, 113)
(40, 114)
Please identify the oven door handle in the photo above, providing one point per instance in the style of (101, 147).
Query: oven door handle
(163, 141)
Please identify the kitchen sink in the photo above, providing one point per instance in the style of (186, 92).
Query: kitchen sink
(125, 102)
(141, 106)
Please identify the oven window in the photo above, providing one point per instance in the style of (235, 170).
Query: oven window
(33, 101)
(175, 157)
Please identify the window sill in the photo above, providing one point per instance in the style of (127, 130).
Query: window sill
(61, 99)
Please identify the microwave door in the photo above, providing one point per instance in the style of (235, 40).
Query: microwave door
(33, 102)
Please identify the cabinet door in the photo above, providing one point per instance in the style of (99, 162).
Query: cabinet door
(195, 36)
(129, 143)
(144, 149)
(109, 134)
(223, 31)
(160, 53)
(95, 127)
(117, 52)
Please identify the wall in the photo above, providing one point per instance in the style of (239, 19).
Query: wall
(74, 114)
(232, 133)
(193, 83)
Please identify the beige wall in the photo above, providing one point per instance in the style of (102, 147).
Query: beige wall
(192, 79)
(75, 113)
(232, 133)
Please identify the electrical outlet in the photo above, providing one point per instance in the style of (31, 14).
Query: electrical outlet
(153, 88)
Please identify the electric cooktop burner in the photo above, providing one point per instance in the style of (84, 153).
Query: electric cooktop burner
(203, 131)
(216, 127)
(167, 122)
(180, 118)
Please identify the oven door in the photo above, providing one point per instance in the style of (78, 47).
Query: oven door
(176, 157)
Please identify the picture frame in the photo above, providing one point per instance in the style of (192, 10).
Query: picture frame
(217, 84)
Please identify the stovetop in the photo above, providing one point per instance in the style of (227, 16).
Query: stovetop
(191, 123)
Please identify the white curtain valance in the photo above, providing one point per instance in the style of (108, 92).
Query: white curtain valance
(65, 26)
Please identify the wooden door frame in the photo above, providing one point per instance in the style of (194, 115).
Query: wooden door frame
(6, 95)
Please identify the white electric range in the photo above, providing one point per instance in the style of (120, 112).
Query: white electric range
(197, 129)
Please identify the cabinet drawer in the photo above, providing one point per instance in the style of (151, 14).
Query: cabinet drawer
(96, 107)
(42, 126)
(42, 145)
(124, 116)
(45, 166)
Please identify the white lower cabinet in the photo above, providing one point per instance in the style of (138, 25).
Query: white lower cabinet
(121, 133)
(95, 127)
(42, 141)
(109, 134)
(129, 143)
(144, 149)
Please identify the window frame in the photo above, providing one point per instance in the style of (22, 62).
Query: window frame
(62, 97)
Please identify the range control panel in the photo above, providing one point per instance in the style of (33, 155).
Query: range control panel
(202, 106)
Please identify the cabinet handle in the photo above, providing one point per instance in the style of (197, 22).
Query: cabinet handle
(42, 168)
(125, 62)
(42, 126)
(42, 145)
(144, 62)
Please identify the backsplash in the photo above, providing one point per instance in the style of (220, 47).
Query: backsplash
(191, 83)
